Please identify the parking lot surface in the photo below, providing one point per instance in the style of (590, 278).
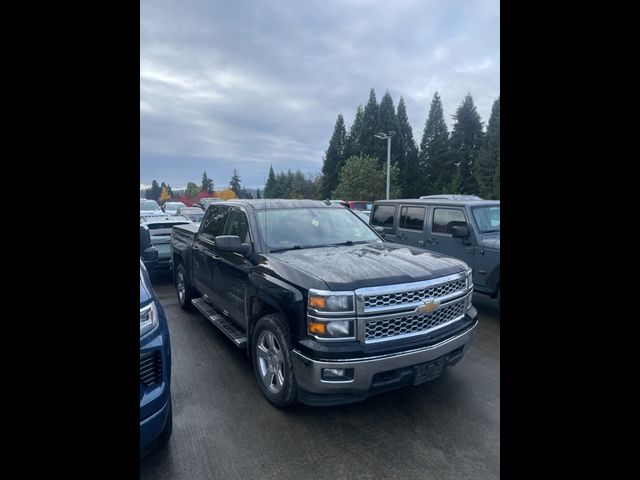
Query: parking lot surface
(223, 428)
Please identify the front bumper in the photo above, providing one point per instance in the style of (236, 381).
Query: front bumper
(373, 374)
(152, 426)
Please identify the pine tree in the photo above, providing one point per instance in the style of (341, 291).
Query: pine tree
(154, 192)
(367, 143)
(207, 184)
(410, 183)
(352, 141)
(466, 140)
(436, 163)
(489, 156)
(334, 158)
(258, 194)
(388, 122)
(234, 183)
(270, 186)
(496, 181)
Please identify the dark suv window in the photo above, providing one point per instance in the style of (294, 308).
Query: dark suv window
(382, 215)
(412, 218)
(213, 221)
(445, 218)
(237, 224)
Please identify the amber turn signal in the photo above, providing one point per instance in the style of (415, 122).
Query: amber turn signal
(317, 328)
(317, 302)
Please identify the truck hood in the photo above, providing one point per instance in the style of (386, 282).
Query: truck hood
(373, 264)
(490, 240)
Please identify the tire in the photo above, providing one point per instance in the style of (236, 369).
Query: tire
(271, 353)
(498, 298)
(184, 291)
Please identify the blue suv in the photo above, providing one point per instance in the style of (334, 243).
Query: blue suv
(155, 369)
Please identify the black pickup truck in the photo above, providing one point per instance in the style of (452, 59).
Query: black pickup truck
(329, 312)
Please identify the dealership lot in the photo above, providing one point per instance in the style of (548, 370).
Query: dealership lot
(224, 428)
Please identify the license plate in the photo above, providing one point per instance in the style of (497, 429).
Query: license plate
(428, 371)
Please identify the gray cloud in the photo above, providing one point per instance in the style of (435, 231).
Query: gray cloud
(246, 84)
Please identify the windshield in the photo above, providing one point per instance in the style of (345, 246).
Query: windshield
(487, 218)
(362, 206)
(174, 206)
(190, 211)
(294, 228)
(149, 205)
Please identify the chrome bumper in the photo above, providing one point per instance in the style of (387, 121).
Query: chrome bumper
(308, 371)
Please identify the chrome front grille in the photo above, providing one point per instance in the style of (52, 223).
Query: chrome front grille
(393, 311)
(399, 298)
(412, 323)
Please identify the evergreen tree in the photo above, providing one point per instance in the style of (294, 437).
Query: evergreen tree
(334, 158)
(363, 178)
(436, 162)
(258, 194)
(352, 141)
(269, 187)
(192, 190)
(410, 182)
(489, 156)
(466, 140)
(154, 192)
(496, 181)
(207, 184)
(387, 122)
(234, 183)
(367, 143)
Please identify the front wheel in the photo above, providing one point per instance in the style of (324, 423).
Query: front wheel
(272, 364)
(183, 289)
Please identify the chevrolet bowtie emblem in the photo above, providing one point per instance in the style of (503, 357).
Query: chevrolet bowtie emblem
(429, 306)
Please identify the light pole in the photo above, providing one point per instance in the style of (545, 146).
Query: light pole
(387, 137)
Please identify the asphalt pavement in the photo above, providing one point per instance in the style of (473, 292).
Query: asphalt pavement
(223, 428)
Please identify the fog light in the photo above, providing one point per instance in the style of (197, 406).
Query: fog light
(337, 374)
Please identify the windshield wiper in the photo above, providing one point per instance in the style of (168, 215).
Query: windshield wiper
(348, 243)
(284, 249)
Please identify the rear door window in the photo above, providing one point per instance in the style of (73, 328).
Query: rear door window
(237, 224)
(213, 221)
(412, 218)
(382, 215)
(446, 218)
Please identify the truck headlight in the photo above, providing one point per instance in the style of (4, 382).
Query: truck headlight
(331, 329)
(322, 307)
(148, 318)
(325, 301)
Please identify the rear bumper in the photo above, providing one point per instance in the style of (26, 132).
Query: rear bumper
(375, 374)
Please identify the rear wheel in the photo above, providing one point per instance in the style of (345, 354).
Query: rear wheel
(272, 360)
(185, 292)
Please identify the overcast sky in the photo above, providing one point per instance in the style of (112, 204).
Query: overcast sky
(247, 84)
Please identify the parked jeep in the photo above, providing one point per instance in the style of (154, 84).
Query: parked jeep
(329, 312)
(464, 227)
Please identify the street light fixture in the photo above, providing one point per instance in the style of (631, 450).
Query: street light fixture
(387, 137)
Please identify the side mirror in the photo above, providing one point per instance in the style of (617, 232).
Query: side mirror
(150, 255)
(145, 239)
(232, 243)
(460, 231)
(380, 231)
